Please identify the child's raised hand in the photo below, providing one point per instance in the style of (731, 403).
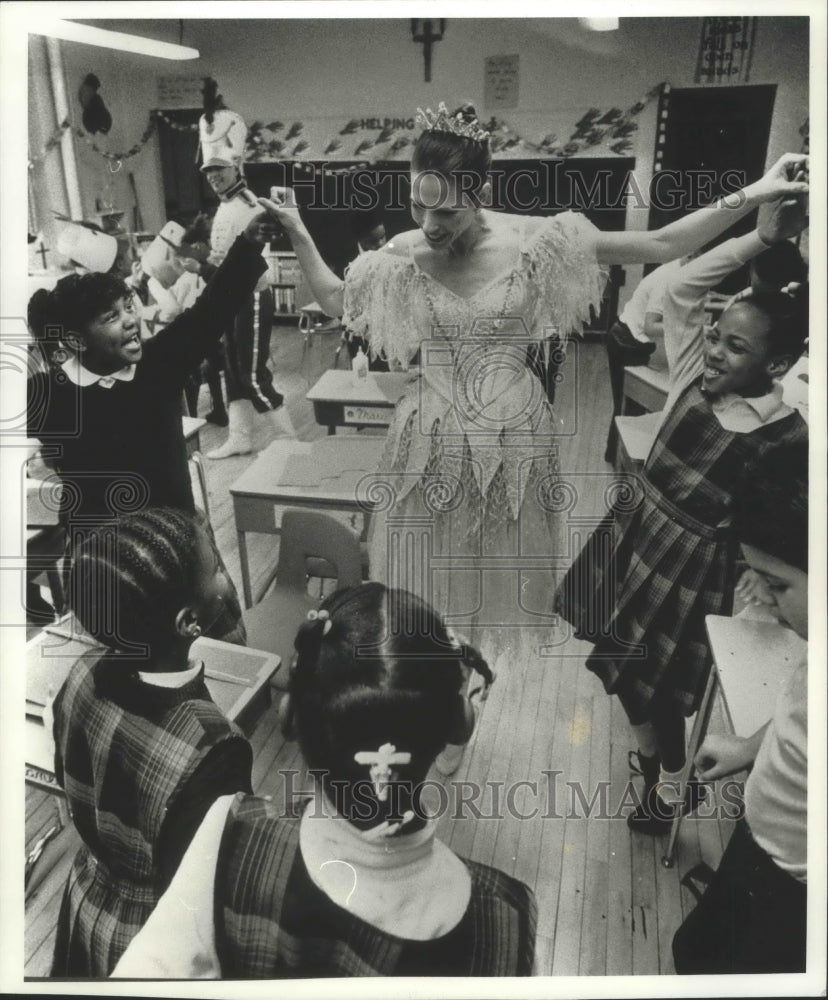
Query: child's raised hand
(782, 218)
(752, 589)
(719, 756)
(282, 206)
(785, 179)
(262, 228)
(136, 275)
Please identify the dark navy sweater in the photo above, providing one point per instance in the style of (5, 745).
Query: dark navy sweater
(122, 449)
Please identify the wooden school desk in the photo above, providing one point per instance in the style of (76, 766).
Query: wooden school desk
(321, 475)
(753, 655)
(646, 386)
(341, 400)
(237, 678)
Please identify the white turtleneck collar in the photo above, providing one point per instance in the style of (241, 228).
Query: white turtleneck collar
(409, 885)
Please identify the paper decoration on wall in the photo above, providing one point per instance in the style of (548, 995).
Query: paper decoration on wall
(95, 116)
(726, 50)
(179, 93)
(390, 138)
(501, 81)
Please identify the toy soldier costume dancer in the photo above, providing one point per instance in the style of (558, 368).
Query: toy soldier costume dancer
(250, 388)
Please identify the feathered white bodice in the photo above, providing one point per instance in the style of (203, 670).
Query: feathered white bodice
(473, 395)
(395, 304)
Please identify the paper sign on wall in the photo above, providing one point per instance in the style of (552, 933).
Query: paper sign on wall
(179, 92)
(501, 81)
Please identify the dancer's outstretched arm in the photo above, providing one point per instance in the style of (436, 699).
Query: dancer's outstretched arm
(327, 288)
(787, 178)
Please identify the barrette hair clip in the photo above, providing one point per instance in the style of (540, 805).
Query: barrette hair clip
(452, 638)
(321, 616)
(380, 764)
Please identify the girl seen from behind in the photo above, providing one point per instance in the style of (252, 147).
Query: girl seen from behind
(141, 749)
(360, 885)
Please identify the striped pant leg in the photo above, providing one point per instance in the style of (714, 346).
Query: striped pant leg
(248, 351)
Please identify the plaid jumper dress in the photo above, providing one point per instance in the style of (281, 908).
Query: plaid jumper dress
(272, 922)
(664, 558)
(125, 751)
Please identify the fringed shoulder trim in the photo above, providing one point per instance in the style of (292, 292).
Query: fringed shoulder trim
(560, 259)
(379, 287)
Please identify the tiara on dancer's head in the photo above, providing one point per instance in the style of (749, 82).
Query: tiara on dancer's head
(442, 121)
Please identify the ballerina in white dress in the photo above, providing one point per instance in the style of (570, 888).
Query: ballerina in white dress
(471, 508)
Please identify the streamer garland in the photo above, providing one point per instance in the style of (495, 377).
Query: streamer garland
(277, 142)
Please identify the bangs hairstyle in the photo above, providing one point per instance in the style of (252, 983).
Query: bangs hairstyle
(386, 672)
(455, 157)
(771, 512)
(131, 577)
(71, 306)
(787, 316)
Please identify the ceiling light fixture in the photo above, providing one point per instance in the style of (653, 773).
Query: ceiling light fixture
(599, 23)
(71, 31)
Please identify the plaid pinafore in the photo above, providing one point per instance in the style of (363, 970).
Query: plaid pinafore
(660, 562)
(273, 922)
(124, 752)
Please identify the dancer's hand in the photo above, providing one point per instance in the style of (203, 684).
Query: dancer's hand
(282, 206)
(787, 178)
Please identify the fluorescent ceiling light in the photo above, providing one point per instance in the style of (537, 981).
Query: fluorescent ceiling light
(71, 31)
(599, 23)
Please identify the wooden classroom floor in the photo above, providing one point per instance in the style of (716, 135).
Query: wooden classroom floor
(607, 906)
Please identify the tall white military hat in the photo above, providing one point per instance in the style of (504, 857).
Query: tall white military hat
(223, 139)
(91, 249)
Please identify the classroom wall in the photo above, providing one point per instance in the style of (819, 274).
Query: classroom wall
(324, 72)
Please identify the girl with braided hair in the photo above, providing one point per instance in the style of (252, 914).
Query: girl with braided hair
(141, 750)
(360, 885)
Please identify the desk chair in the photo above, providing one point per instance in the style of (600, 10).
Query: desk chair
(313, 320)
(45, 547)
(306, 535)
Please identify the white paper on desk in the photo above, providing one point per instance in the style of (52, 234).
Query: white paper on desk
(753, 659)
(331, 459)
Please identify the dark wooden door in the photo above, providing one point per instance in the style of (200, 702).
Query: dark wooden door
(186, 193)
